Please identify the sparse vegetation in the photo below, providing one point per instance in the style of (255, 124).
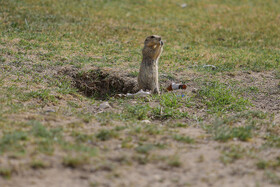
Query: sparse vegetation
(184, 139)
(5, 172)
(56, 58)
(75, 162)
(106, 135)
(221, 98)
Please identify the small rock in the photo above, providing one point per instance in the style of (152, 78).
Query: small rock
(157, 177)
(146, 121)
(184, 5)
(210, 66)
(147, 99)
(194, 90)
(141, 93)
(104, 105)
(49, 110)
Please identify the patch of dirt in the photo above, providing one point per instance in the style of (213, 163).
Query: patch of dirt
(268, 95)
(200, 166)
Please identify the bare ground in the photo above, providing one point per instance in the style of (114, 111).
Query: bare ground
(200, 163)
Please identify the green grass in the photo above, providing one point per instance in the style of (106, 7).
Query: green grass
(220, 97)
(139, 112)
(13, 142)
(39, 38)
(273, 140)
(185, 139)
(174, 161)
(104, 135)
(233, 153)
(75, 162)
(144, 149)
(38, 164)
(221, 130)
(208, 35)
(5, 172)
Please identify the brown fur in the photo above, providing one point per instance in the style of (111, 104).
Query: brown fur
(148, 74)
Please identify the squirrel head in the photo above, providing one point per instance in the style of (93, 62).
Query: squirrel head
(152, 47)
(153, 41)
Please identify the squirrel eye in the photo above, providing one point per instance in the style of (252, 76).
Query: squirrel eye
(152, 37)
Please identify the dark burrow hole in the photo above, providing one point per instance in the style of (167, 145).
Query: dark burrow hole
(101, 83)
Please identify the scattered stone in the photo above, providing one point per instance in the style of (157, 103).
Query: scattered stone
(210, 66)
(194, 90)
(49, 110)
(141, 93)
(104, 105)
(157, 177)
(146, 121)
(184, 5)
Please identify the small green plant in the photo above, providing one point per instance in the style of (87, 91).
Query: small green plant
(80, 137)
(262, 164)
(73, 104)
(232, 153)
(170, 100)
(38, 130)
(5, 172)
(174, 161)
(184, 139)
(145, 149)
(104, 135)
(169, 107)
(12, 141)
(272, 164)
(38, 164)
(273, 177)
(75, 162)
(120, 128)
(177, 125)
(219, 97)
(43, 95)
(139, 112)
(273, 141)
(224, 132)
(167, 112)
(151, 130)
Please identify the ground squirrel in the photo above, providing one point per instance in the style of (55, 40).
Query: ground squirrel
(148, 74)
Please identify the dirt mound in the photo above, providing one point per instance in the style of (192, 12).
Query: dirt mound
(101, 83)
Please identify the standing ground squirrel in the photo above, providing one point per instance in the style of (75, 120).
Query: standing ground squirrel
(148, 74)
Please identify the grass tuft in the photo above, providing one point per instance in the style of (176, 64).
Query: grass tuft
(220, 97)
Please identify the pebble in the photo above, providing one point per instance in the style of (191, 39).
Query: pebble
(211, 66)
(146, 121)
(184, 5)
(194, 90)
(104, 105)
(49, 110)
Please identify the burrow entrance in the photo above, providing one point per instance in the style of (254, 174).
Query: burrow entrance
(101, 83)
